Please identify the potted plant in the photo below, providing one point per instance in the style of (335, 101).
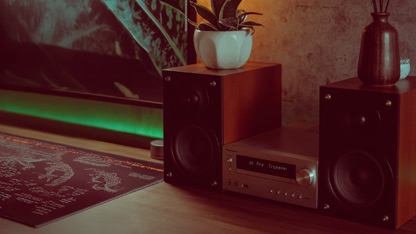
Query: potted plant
(225, 40)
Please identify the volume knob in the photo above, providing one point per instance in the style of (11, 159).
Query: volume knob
(304, 177)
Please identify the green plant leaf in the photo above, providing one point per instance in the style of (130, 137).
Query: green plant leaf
(249, 13)
(173, 21)
(250, 24)
(206, 14)
(137, 16)
(229, 9)
(225, 16)
(157, 22)
(205, 26)
(221, 14)
(217, 5)
(193, 23)
(231, 23)
(125, 91)
(243, 16)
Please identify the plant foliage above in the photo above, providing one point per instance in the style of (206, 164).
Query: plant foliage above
(57, 36)
(224, 16)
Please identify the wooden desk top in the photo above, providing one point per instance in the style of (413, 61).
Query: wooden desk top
(165, 208)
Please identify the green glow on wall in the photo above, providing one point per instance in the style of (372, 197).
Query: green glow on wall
(137, 120)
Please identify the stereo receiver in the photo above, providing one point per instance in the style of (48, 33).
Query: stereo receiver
(280, 164)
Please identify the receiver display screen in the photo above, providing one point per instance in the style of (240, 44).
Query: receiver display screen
(266, 167)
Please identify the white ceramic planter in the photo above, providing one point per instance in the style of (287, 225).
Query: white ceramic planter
(404, 68)
(223, 50)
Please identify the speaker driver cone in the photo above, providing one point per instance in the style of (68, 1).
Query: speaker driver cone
(195, 149)
(192, 100)
(358, 178)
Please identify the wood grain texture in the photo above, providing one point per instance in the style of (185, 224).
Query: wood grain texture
(164, 208)
(201, 69)
(406, 202)
(252, 102)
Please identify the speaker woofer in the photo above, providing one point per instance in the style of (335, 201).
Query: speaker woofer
(357, 177)
(195, 149)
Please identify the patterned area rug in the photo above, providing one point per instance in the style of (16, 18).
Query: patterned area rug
(41, 182)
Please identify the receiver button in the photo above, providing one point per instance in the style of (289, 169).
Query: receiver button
(304, 177)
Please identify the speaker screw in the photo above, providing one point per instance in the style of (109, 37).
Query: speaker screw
(169, 174)
(214, 183)
(326, 207)
(328, 96)
(389, 103)
(213, 83)
(385, 218)
(168, 78)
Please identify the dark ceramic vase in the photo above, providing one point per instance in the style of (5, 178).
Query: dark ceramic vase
(379, 62)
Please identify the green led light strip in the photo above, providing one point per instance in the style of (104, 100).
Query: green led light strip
(139, 120)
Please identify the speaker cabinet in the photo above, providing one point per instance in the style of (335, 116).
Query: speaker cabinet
(367, 159)
(203, 109)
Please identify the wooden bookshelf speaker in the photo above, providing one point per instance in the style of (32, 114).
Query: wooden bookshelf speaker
(367, 159)
(203, 109)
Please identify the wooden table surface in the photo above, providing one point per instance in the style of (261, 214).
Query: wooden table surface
(166, 208)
